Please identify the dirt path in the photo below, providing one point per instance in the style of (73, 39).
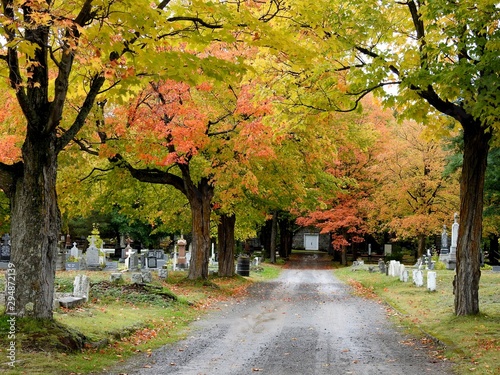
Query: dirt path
(305, 322)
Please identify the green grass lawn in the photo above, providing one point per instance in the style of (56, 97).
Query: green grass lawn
(473, 343)
(119, 321)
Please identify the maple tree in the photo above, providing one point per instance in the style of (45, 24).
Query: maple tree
(443, 59)
(413, 198)
(185, 136)
(55, 52)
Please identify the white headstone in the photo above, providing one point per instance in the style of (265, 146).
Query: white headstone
(405, 276)
(419, 278)
(454, 231)
(174, 261)
(431, 281)
(392, 265)
(74, 252)
(81, 287)
(402, 272)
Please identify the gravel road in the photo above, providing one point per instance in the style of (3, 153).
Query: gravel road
(305, 322)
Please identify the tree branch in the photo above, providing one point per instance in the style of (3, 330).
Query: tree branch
(71, 133)
(151, 175)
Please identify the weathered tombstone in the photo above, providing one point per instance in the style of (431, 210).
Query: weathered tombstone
(132, 261)
(402, 272)
(115, 277)
(81, 287)
(92, 255)
(381, 265)
(444, 241)
(162, 273)
(136, 278)
(391, 267)
(419, 278)
(147, 276)
(5, 248)
(431, 281)
(126, 249)
(405, 276)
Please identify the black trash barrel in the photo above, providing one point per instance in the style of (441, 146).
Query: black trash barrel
(243, 266)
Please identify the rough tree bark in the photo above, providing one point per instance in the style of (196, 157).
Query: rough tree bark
(200, 201)
(468, 271)
(421, 245)
(35, 227)
(31, 183)
(225, 235)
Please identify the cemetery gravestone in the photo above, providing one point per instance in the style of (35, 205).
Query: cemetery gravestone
(162, 273)
(132, 261)
(147, 276)
(74, 252)
(402, 272)
(452, 256)
(381, 265)
(444, 241)
(116, 277)
(181, 248)
(5, 248)
(431, 281)
(419, 278)
(92, 255)
(152, 260)
(81, 287)
(136, 278)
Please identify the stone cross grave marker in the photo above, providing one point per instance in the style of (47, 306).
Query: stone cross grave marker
(92, 254)
(74, 252)
(132, 261)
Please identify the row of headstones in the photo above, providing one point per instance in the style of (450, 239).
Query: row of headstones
(81, 286)
(95, 257)
(397, 269)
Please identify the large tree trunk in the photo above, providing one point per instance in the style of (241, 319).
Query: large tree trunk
(225, 235)
(274, 234)
(286, 236)
(200, 200)
(468, 271)
(35, 227)
(421, 245)
(265, 239)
